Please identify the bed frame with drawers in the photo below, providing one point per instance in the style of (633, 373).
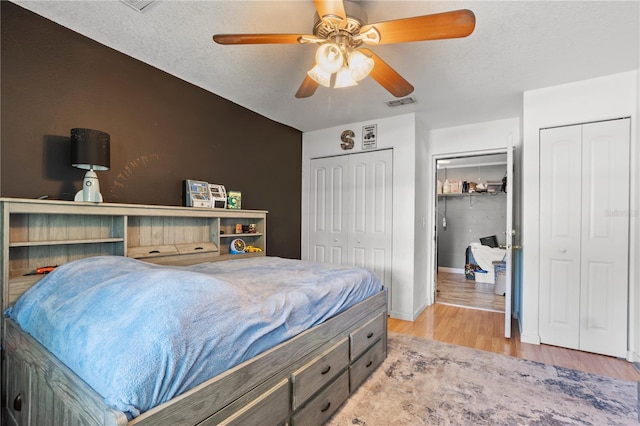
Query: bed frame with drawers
(302, 381)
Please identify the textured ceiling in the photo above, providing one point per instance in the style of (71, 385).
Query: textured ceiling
(516, 46)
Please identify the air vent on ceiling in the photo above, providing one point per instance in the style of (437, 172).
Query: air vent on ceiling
(138, 5)
(403, 101)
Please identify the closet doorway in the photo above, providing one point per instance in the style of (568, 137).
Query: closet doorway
(471, 218)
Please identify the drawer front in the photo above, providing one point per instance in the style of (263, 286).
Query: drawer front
(366, 364)
(310, 378)
(191, 248)
(270, 408)
(18, 392)
(367, 335)
(320, 408)
(143, 252)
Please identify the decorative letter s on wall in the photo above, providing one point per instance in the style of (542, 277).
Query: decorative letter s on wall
(347, 139)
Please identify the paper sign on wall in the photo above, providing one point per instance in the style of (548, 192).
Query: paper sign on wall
(370, 136)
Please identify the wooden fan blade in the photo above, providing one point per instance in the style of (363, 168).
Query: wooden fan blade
(307, 88)
(330, 8)
(455, 24)
(256, 38)
(387, 77)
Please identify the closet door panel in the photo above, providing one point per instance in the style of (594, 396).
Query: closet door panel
(328, 236)
(371, 174)
(358, 257)
(350, 204)
(560, 309)
(605, 237)
(357, 242)
(361, 193)
(560, 209)
(599, 277)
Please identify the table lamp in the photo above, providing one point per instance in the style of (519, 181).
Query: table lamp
(90, 151)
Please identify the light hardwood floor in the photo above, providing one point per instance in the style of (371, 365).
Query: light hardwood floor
(456, 289)
(484, 330)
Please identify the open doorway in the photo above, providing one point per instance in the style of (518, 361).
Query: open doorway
(471, 217)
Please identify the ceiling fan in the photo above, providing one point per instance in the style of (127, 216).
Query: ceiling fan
(340, 31)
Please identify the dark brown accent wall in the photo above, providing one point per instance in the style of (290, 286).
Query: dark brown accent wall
(163, 129)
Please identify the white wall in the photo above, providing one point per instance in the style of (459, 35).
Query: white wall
(634, 278)
(421, 296)
(584, 101)
(398, 133)
(478, 138)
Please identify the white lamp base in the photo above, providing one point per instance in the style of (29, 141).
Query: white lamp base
(90, 191)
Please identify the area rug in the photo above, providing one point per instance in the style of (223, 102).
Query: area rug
(424, 382)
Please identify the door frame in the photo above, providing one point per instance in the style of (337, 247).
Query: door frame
(433, 234)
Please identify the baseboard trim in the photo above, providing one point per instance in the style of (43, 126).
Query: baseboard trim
(401, 316)
(417, 313)
(451, 270)
(469, 307)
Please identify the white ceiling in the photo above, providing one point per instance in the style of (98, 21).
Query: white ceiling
(516, 46)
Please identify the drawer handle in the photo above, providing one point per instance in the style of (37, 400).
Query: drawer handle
(17, 403)
(370, 335)
(199, 248)
(326, 407)
(326, 370)
(154, 251)
(369, 364)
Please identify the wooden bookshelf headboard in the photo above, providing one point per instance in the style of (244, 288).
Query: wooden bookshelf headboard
(38, 233)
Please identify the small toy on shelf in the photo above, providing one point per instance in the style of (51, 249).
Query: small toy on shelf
(42, 270)
(234, 200)
(237, 246)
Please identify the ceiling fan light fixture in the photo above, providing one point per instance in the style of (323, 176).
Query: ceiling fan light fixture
(344, 78)
(341, 27)
(320, 76)
(360, 65)
(329, 57)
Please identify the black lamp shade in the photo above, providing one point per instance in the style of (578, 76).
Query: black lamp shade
(90, 149)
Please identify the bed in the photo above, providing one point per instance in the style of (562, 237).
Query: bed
(294, 357)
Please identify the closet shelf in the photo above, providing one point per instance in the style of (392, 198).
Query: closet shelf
(471, 194)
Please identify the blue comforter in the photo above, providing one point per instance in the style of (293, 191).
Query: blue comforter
(140, 334)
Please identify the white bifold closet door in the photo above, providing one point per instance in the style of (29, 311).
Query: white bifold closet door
(351, 211)
(584, 236)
